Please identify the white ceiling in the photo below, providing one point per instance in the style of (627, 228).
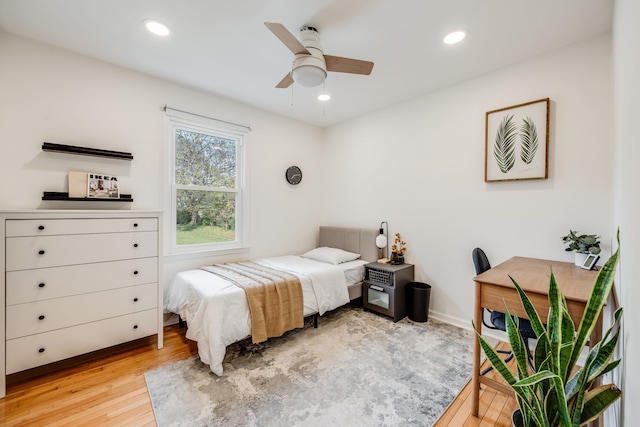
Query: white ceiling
(223, 47)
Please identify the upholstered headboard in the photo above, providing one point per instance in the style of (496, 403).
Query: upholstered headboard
(357, 240)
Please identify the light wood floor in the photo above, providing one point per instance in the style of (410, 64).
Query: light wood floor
(109, 389)
(495, 407)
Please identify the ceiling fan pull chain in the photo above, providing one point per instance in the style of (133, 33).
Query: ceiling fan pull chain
(324, 90)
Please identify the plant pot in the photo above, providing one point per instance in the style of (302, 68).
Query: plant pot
(580, 257)
(516, 418)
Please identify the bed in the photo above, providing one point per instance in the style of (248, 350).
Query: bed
(217, 312)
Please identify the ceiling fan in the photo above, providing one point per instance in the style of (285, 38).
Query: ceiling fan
(310, 64)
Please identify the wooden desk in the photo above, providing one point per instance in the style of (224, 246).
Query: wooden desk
(494, 289)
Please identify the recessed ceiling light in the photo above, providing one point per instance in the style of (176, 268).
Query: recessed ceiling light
(157, 28)
(455, 37)
(324, 97)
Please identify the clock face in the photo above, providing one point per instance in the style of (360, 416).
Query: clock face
(293, 175)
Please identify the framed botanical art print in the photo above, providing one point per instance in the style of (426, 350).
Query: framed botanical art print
(517, 142)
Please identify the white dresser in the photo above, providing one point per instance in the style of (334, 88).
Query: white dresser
(75, 282)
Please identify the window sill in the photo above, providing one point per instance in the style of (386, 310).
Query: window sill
(208, 253)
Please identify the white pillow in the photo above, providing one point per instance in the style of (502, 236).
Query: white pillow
(333, 256)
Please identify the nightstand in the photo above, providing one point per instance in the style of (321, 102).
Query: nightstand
(384, 288)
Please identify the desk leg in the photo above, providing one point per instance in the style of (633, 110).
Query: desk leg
(477, 319)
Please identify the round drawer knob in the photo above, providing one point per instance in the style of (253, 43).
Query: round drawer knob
(41, 285)
(41, 350)
(135, 326)
(135, 245)
(135, 224)
(41, 252)
(41, 227)
(41, 317)
(135, 299)
(135, 272)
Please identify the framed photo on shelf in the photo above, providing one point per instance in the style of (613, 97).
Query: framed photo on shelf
(102, 186)
(517, 142)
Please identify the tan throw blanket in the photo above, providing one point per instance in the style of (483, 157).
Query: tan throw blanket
(274, 297)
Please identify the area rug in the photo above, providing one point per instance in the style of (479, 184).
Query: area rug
(356, 369)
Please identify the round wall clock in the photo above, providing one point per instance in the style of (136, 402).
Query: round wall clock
(293, 175)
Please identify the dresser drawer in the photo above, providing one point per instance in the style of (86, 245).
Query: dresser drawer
(43, 316)
(55, 282)
(24, 253)
(52, 227)
(36, 350)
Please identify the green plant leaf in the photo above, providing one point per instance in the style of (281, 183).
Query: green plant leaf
(597, 400)
(601, 354)
(496, 361)
(528, 140)
(554, 323)
(504, 145)
(598, 296)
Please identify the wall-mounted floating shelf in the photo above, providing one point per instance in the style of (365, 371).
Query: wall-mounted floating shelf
(86, 151)
(54, 195)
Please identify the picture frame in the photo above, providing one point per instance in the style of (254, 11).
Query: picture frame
(517, 142)
(78, 185)
(590, 261)
(101, 186)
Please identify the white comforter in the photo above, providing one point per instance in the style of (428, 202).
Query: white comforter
(217, 313)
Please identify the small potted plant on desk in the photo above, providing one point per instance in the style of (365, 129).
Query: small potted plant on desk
(583, 244)
(555, 392)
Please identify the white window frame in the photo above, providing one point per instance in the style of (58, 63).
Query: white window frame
(200, 124)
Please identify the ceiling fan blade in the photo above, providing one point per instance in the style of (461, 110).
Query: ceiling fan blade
(287, 38)
(285, 82)
(348, 65)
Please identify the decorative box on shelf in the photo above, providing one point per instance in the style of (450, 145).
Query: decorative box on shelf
(384, 288)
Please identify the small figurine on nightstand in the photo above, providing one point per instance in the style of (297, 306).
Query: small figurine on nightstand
(397, 250)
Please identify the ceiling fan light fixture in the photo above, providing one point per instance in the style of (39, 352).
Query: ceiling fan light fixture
(454, 37)
(157, 28)
(309, 75)
(324, 97)
(310, 65)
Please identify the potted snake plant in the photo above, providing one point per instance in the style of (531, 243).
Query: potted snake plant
(557, 392)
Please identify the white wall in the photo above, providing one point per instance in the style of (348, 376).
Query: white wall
(627, 111)
(53, 95)
(419, 166)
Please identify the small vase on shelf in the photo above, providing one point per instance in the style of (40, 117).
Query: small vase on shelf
(398, 249)
(394, 258)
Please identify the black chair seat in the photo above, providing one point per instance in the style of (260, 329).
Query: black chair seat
(498, 320)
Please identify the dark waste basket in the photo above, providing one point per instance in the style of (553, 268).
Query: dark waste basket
(418, 299)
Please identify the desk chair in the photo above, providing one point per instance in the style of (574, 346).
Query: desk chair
(496, 318)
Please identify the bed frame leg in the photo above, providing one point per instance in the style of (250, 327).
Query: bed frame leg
(180, 322)
(315, 321)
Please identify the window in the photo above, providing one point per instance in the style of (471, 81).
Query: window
(207, 186)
